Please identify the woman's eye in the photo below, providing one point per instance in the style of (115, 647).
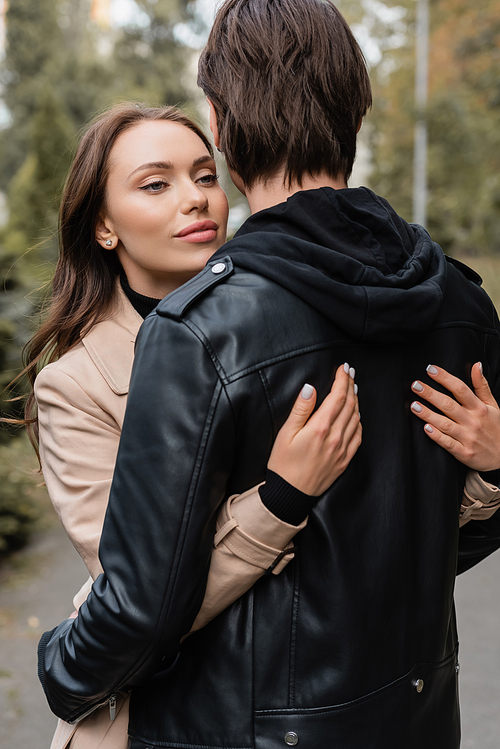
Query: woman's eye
(154, 186)
(209, 179)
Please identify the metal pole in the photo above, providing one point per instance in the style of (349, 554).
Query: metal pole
(420, 138)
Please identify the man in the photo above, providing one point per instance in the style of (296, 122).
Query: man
(354, 645)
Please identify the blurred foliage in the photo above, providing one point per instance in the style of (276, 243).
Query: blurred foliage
(20, 508)
(62, 65)
(463, 117)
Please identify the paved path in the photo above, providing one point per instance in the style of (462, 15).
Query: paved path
(37, 595)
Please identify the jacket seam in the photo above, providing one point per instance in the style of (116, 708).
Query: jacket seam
(293, 634)
(189, 505)
(270, 400)
(423, 665)
(466, 324)
(208, 346)
(338, 343)
(152, 744)
(205, 342)
(289, 355)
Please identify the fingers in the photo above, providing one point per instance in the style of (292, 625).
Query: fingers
(441, 423)
(301, 410)
(446, 441)
(449, 407)
(457, 387)
(468, 427)
(481, 387)
(339, 404)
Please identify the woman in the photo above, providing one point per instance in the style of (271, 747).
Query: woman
(142, 213)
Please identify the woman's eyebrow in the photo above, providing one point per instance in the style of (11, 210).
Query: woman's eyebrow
(168, 164)
(153, 165)
(202, 160)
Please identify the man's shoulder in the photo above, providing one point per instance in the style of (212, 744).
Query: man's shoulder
(241, 317)
(221, 285)
(465, 300)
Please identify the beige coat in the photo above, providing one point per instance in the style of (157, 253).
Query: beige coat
(81, 404)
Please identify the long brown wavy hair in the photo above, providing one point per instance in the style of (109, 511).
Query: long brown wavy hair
(85, 276)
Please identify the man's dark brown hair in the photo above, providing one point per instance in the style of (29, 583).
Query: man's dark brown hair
(289, 85)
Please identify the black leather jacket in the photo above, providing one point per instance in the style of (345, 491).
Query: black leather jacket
(354, 645)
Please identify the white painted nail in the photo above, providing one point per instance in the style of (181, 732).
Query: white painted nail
(417, 386)
(428, 429)
(306, 392)
(416, 407)
(355, 389)
(480, 367)
(352, 372)
(346, 368)
(432, 370)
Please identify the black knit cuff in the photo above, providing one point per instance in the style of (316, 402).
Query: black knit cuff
(41, 653)
(285, 501)
(491, 477)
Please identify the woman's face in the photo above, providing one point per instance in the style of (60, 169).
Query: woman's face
(165, 212)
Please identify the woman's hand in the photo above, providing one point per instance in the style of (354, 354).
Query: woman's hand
(468, 429)
(310, 452)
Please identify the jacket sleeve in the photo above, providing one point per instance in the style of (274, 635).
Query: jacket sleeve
(173, 463)
(78, 447)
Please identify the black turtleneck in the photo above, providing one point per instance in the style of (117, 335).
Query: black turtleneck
(281, 498)
(142, 304)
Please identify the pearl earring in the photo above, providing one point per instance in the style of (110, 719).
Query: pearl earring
(108, 243)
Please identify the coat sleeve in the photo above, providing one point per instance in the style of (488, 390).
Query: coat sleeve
(173, 463)
(78, 447)
(250, 542)
(480, 500)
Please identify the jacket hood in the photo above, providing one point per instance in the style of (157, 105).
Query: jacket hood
(350, 256)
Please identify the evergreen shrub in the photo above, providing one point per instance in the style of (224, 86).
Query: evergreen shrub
(20, 509)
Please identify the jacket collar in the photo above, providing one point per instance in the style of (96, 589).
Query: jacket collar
(110, 343)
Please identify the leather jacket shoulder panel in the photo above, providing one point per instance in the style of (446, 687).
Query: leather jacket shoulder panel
(177, 302)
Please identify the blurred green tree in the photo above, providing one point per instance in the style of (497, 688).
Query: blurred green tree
(61, 66)
(463, 120)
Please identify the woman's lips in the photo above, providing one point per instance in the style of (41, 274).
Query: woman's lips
(201, 231)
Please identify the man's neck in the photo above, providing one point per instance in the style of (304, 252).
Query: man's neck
(265, 195)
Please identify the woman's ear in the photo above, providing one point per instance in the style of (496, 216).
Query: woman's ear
(213, 124)
(105, 235)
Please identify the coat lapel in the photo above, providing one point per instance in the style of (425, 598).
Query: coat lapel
(110, 343)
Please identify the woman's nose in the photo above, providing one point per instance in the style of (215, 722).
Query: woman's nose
(192, 198)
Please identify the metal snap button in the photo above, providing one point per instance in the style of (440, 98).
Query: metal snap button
(218, 268)
(419, 685)
(457, 668)
(291, 738)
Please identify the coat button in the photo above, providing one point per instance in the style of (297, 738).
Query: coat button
(419, 685)
(291, 738)
(218, 268)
